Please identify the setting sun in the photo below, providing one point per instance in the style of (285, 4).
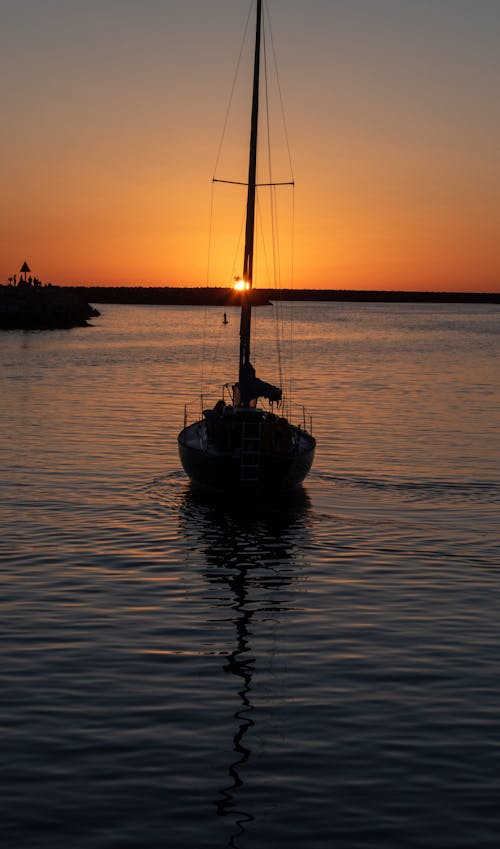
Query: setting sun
(240, 285)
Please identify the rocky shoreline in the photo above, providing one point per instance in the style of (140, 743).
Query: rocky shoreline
(26, 307)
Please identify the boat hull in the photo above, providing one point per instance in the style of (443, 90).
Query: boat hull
(221, 470)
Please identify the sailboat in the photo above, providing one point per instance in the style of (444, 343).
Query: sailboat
(241, 445)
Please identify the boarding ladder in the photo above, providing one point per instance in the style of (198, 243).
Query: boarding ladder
(251, 433)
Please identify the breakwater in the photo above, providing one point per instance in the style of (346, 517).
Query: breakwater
(26, 307)
(226, 296)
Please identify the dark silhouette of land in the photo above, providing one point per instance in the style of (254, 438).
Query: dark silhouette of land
(28, 304)
(37, 307)
(171, 295)
(221, 297)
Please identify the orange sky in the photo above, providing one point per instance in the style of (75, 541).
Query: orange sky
(113, 113)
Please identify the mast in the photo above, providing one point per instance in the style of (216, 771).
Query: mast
(246, 295)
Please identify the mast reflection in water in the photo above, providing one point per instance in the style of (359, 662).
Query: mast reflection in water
(251, 562)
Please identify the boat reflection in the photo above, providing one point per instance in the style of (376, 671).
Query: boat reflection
(253, 560)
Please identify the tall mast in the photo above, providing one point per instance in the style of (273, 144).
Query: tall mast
(246, 296)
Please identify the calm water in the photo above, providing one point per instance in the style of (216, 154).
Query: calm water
(178, 672)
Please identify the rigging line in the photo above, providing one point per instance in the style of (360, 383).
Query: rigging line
(210, 380)
(282, 104)
(238, 243)
(217, 159)
(271, 282)
(280, 324)
(283, 313)
(277, 256)
(280, 314)
(261, 262)
(285, 130)
(228, 110)
(259, 217)
(272, 210)
(292, 283)
(270, 276)
(205, 312)
(210, 231)
(263, 246)
(269, 162)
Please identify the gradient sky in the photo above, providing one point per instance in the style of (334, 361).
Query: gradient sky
(112, 112)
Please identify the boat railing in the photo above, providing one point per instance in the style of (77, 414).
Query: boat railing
(305, 416)
(228, 392)
(300, 417)
(303, 420)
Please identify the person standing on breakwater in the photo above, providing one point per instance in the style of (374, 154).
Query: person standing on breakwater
(24, 281)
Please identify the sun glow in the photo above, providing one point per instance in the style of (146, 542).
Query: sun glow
(241, 285)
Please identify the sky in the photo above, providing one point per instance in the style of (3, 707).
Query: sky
(112, 112)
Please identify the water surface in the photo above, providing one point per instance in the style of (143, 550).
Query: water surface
(318, 671)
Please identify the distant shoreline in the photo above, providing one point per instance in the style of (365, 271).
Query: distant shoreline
(226, 297)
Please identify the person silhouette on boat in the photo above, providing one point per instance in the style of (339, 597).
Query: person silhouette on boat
(250, 387)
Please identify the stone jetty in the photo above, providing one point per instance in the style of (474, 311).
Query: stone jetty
(28, 306)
